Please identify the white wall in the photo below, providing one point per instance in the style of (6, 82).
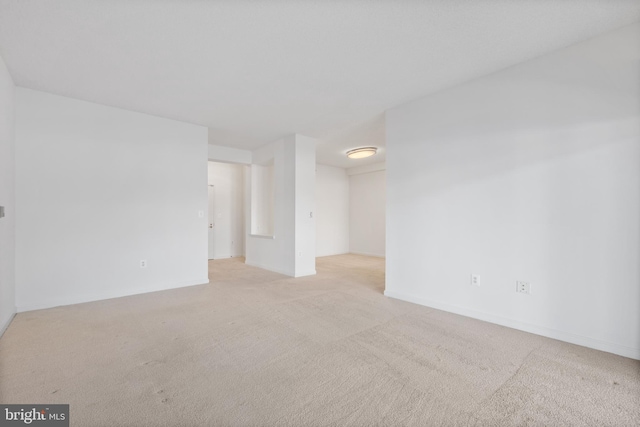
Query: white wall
(99, 189)
(291, 249)
(219, 153)
(367, 213)
(528, 174)
(305, 206)
(228, 211)
(262, 199)
(275, 253)
(7, 199)
(332, 211)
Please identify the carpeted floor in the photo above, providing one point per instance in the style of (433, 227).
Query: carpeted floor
(259, 349)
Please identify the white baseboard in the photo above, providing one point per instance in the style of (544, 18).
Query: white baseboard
(306, 273)
(5, 324)
(331, 254)
(225, 256)
(368, 254)
(264, 267)
(633, 353)
(275, 270)
(70, 300)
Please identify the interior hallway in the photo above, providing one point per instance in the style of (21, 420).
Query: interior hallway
(259, 348)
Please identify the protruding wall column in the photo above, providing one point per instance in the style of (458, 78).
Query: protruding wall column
(305, 202)
(290, 249)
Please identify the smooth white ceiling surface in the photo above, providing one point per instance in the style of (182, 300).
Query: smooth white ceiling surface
(255, 71)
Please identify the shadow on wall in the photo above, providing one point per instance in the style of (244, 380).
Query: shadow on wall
(457, 159)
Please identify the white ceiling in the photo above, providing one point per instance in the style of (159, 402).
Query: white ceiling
(255, 71)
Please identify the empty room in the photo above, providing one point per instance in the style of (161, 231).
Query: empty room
(319, 213)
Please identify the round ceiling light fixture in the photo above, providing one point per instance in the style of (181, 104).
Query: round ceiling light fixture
(361, 153)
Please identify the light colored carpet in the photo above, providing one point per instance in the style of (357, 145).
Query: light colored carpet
(257, 348)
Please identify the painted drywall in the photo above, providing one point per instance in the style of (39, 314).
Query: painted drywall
(228, 209)
(366, 168)
(305, 206)
(291, 248)
(219, 153)
(367, 213)
(7, 199)
(276, 252)
(262, 199)
(530, 174)
(332, 211)
(98, 189)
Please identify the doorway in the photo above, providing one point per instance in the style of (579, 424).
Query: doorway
(226, 217)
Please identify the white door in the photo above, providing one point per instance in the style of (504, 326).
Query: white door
(210, 222)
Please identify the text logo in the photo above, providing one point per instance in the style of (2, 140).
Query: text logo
(34, 415)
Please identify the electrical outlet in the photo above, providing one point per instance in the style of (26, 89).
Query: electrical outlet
(475, 280)
(523, 287)
(143, 263)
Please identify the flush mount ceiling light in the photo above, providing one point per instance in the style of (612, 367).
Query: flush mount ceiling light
(361, 153)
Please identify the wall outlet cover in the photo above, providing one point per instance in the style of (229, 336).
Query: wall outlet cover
(523, 287)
